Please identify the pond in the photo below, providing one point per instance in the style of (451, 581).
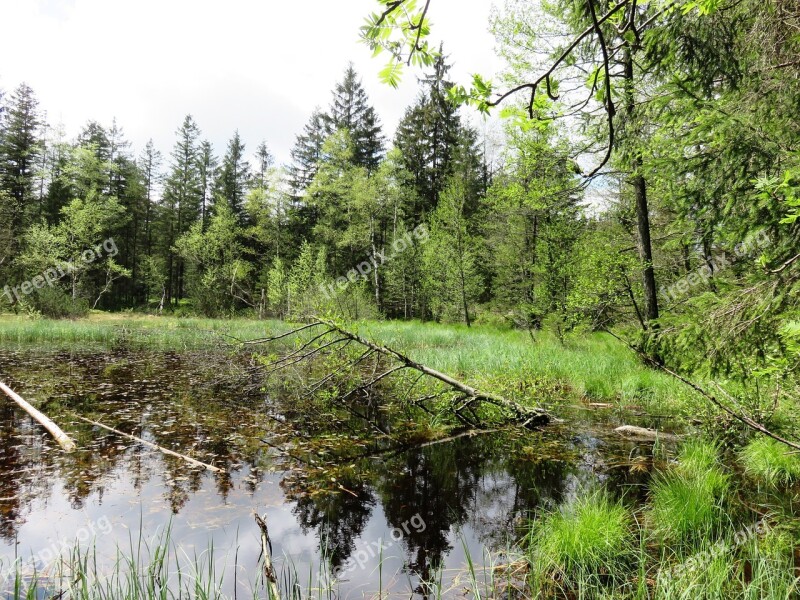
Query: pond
(389, 519)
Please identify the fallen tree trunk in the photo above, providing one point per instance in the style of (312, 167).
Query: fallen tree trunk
(62, 438)
(161, 449)
(527, 415)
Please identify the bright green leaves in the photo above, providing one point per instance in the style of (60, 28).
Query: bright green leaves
(401, 29)
(392, 73)
(478, 95)
(703, 7)
(785, 190)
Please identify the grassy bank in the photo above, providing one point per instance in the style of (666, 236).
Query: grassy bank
(594, 367)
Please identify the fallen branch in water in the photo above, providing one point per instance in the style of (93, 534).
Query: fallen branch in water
(62, 438)
(465, 398)
(266, 551)
(161, 449)
(527, 415)
(741, 416)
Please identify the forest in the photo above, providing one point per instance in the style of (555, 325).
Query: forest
(609, 224)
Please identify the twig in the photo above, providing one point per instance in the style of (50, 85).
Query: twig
(741, 417)
(266, 551)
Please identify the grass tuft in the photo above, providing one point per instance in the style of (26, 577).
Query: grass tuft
(687, 501)
(770, 462)
(586, 542)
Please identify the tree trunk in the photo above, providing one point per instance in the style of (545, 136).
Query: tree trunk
(639, 184)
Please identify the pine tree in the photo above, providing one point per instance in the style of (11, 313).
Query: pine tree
(351, 110)
(149, 168)
(207, 165)
(428, 136)
(264, 161)
(20, 148)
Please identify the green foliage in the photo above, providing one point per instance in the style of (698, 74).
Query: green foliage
(450, 279)
(770, 461)
(221, 272)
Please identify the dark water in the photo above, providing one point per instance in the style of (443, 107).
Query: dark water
(426, 507)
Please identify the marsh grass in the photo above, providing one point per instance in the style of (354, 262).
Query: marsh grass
(586, 543)
(592, 366)
(687, 503)
(770, 462)
(761, 568)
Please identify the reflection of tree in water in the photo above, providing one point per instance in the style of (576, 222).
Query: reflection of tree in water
(338, 516)
(438, 483)
(522, 474)
(23, 461)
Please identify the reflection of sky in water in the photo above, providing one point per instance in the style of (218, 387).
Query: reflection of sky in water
(472, 493)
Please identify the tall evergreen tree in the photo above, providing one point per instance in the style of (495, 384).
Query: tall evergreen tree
(233, 178)
(20, 148)
(149, 168)
(428, 135)
(180, 203)
(351, 110)
(307, 152)
(207, 165)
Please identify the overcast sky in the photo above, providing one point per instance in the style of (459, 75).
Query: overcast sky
(259, 66)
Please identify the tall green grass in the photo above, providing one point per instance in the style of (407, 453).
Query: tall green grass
(594, 366)
(770, 462)
(585, 543)
(688, 499)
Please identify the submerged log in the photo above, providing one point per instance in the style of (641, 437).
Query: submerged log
(161, 449)
(645, 434)
(62, 438)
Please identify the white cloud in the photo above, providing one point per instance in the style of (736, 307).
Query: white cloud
(259, 66)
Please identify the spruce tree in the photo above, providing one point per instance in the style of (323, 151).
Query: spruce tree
(307, 152)
(207, 165)
(180, 204)
(233, 177)
(428, 136)
(351, 110)
(20, 148)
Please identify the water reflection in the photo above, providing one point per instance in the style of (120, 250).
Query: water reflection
(481, 488)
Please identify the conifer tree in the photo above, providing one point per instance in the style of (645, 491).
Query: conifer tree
(20, 148)
(207, 165)
(233, 178)
(351, 110)
(180, 203)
